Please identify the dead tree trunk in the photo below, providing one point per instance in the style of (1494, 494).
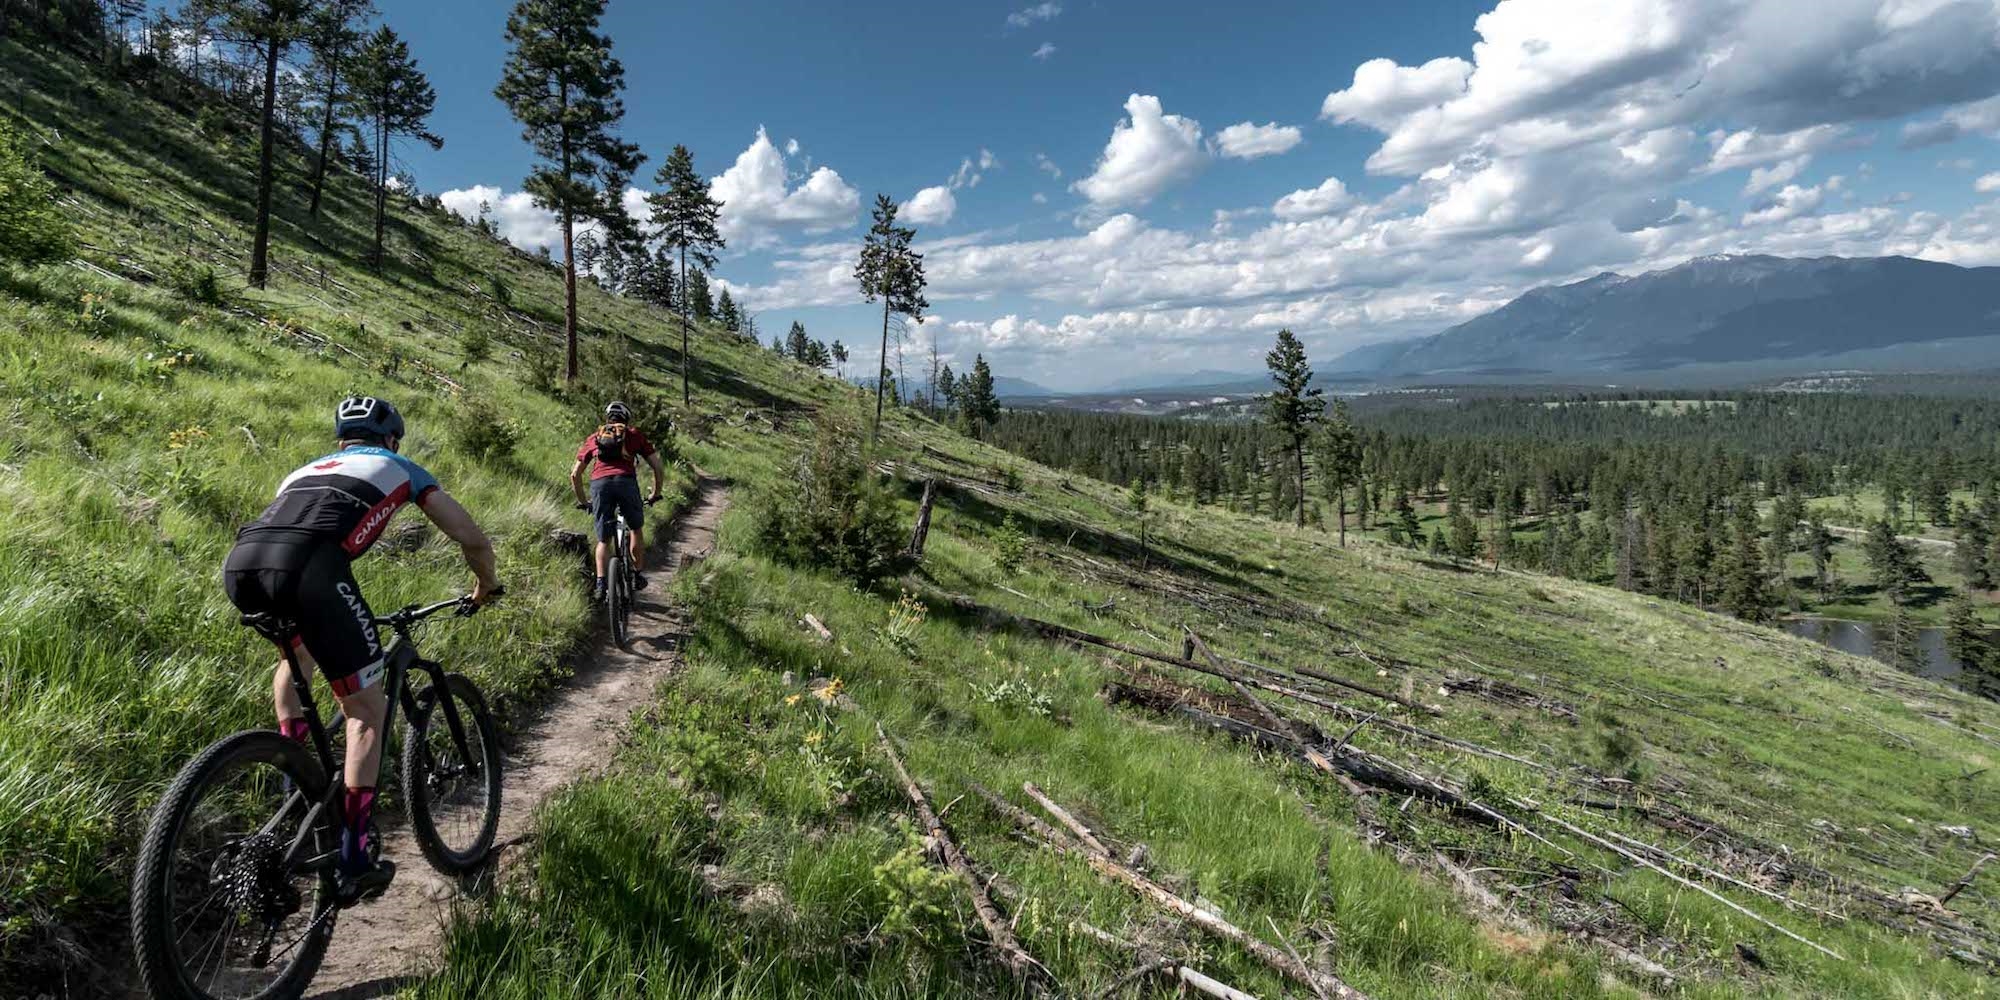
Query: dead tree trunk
(922, 531)
(1012, 955)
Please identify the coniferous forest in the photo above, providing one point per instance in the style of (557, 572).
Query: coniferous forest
(1757, 503)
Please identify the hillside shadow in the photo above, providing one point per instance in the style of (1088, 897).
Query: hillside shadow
(710, 377)
(1084, 537)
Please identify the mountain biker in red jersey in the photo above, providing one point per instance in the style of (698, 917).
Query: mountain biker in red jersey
(293, 563)
(615, 449)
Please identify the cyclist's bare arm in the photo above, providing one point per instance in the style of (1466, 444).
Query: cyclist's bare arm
(659, 472)
(576, 481)
(459, 526)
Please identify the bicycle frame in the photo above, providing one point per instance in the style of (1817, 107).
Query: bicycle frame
(402, 656)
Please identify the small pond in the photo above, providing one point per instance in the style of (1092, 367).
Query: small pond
(1872, 640)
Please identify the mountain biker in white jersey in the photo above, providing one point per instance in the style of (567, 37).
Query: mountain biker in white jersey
(293, 563)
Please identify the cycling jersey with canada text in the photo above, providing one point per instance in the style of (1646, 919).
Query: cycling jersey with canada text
(348, 497)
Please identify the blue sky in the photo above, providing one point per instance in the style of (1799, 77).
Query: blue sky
(1109, 191)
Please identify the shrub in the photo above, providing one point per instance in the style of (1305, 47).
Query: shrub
(479, 429)
(833, 515)
(544, 368)
(1012, 546)
(195, 281)
(33, 228)
(475, 344)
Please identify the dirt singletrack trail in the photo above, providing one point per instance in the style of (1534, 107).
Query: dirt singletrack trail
(381, 946)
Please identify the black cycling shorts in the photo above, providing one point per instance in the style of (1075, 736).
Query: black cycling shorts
(609, 497)
(310, 584)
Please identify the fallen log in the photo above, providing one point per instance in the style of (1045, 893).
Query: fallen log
(1063, 816)
(1663, 856)
(1643, 862)
(1353, 765)
(1321, 982)
(1965, 883)
(1015, 958)
(1483, 899)
(1326, 678)
(1064, 633)
(1192, 979)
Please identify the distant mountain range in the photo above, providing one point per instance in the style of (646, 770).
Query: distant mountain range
(1727, 311)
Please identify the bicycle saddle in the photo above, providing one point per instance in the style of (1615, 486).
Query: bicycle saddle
(270, 626)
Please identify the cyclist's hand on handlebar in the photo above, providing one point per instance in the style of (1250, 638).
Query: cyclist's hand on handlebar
(655, 498)
(482, 594)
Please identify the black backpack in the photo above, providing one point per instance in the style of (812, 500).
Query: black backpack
(611, 443)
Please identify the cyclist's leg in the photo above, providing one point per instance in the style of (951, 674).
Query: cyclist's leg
(338, 628)
(256, 577)
(603, 515)
(635, 521)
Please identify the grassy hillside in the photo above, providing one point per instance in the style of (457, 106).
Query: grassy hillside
(751, 839)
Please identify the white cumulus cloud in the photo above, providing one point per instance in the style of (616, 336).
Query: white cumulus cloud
(930, 207)
(759, 201)
(1987, 183)
(1383, 92)
(1043, 51)
(1309, 203)
(1248, 140)
(1149, 152)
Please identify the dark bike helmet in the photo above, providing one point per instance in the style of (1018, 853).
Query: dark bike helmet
(366, 417)
(617, 413)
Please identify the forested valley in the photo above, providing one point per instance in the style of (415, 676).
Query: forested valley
(1757, 503)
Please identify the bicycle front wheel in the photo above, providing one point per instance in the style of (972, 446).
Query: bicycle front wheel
(453, 781)
(217, 911)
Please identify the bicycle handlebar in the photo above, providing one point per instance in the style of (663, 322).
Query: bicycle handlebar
(414, 613)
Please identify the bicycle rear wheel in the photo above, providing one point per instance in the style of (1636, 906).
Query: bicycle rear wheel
(453, 788)
(216, 913)
(617, 600)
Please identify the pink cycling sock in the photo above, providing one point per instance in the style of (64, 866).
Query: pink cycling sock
(359, 805)
(295, 729)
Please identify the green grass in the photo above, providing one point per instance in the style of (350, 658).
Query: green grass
(746, 842)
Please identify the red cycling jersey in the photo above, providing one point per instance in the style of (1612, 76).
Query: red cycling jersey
(636, 448)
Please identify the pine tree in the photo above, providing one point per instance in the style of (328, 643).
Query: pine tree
(891, 269)
(976, 398)
(1964, 636)
(1745, 592)
(817, 356)
(1340, 456)
(1294, 407)
(393, 94)
(726, 314)
(1903, 645)
(333, 33)
(947, 388)
(1464, 541)
(699, 303)
(561, 83)
(840, 359)
(34, 229)
(1819, 546)
(1970, 553)
(1893, 562)
(269, 27)
(796, 343)
(686, 218)
(1406, 519)
(1141, 506)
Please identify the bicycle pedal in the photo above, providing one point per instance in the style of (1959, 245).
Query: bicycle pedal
(369, 885)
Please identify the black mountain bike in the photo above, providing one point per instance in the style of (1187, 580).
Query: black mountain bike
(235, 893)
(618, 584)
